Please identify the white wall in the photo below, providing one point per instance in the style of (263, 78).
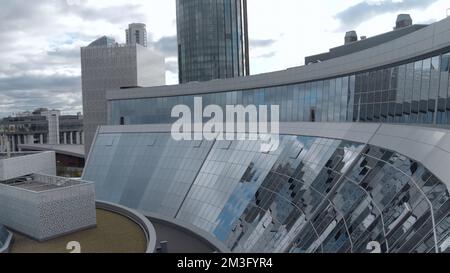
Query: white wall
(46, 215)
(42, 163)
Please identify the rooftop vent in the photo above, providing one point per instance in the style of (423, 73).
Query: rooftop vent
(351, 37)
(403, 20)
(363, 37)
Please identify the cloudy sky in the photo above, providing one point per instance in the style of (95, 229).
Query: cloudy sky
(40, 39)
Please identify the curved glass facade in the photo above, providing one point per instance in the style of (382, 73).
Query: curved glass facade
(310, 195)
(211, 38)
(416, 92)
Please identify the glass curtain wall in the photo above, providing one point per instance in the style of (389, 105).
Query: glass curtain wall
(310, 195)
(415, 92)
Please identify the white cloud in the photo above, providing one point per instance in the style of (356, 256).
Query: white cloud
(39, 53)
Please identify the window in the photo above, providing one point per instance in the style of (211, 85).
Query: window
(313, 115)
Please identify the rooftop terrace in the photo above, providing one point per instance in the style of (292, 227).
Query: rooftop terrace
(41, 183)
(114, 234)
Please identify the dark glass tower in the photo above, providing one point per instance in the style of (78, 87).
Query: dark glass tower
(212, 39)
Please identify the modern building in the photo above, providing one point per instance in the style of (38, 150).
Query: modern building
(108, 65)
(362, 164)
(42, 126)
(212, 39)
(137, 34)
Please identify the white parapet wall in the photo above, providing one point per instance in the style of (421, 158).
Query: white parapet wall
(20, 164)
(45, 207)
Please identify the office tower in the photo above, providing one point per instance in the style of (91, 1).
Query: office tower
(212, 39)
(113, 66)
(136, 34)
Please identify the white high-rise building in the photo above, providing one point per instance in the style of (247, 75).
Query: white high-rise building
(136, 34)
(106, 65)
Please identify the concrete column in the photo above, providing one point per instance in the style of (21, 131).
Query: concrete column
(78, 138)
(53, 126)
(82, 138)
(64, 138)
(8, 143)
(13, 143)
(19, 141)
(41, 139)
(71, 138)
(30, 139)
(10, 147)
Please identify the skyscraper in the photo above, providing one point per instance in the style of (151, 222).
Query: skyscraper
(212, 39)
(136, 34)
(106, 65)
